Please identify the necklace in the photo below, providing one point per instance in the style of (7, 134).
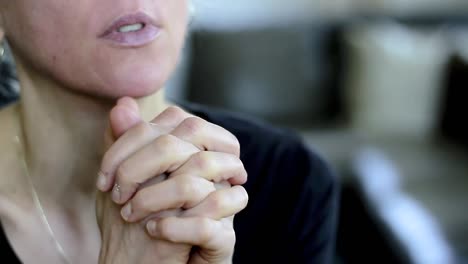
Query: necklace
(38, 205)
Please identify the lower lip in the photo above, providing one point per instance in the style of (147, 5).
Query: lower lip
(133, 39)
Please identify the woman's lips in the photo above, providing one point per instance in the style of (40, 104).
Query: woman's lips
(132, 30)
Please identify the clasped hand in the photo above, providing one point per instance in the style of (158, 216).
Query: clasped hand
(169, 189)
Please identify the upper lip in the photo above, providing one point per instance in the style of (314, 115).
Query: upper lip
(129, 19)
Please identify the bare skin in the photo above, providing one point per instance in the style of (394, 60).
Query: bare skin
(194, 206)
(184, 218)
(69, 93)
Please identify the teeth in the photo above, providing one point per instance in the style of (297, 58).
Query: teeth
(131, 28)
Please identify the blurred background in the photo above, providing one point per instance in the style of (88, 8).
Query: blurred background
(378, 87)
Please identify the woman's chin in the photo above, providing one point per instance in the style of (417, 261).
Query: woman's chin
(135, 91)
(123, 76)
(116, 92)
(132, 87)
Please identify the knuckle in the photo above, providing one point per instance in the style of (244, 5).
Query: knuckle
(165, 141)
(236, 162)
(240, 170)
(217, 202)
(234, 144)
(203, 160)
(191, 191)
(174, 111)
(243, 173)
(186, 188)
(142, 129)
(193, 125)
(245, 177)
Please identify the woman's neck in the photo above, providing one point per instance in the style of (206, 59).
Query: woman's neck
(62, 135)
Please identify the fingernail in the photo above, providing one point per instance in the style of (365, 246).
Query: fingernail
(151, 226)
(116, 193)
(126, 211)
(101, 181)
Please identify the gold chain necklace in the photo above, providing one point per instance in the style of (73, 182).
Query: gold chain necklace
(38, 204)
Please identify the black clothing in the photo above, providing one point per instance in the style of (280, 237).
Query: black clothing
(292, 212)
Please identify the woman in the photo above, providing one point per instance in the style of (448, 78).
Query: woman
(169, 181)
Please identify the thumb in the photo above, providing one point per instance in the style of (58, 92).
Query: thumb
(123, 116)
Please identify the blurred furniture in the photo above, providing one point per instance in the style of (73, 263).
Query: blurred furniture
(394, 78)
(275, 73)
(403, 200)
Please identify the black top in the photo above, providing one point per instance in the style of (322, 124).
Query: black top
(292, 212)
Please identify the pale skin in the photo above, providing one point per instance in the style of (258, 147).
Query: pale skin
(73, 128)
